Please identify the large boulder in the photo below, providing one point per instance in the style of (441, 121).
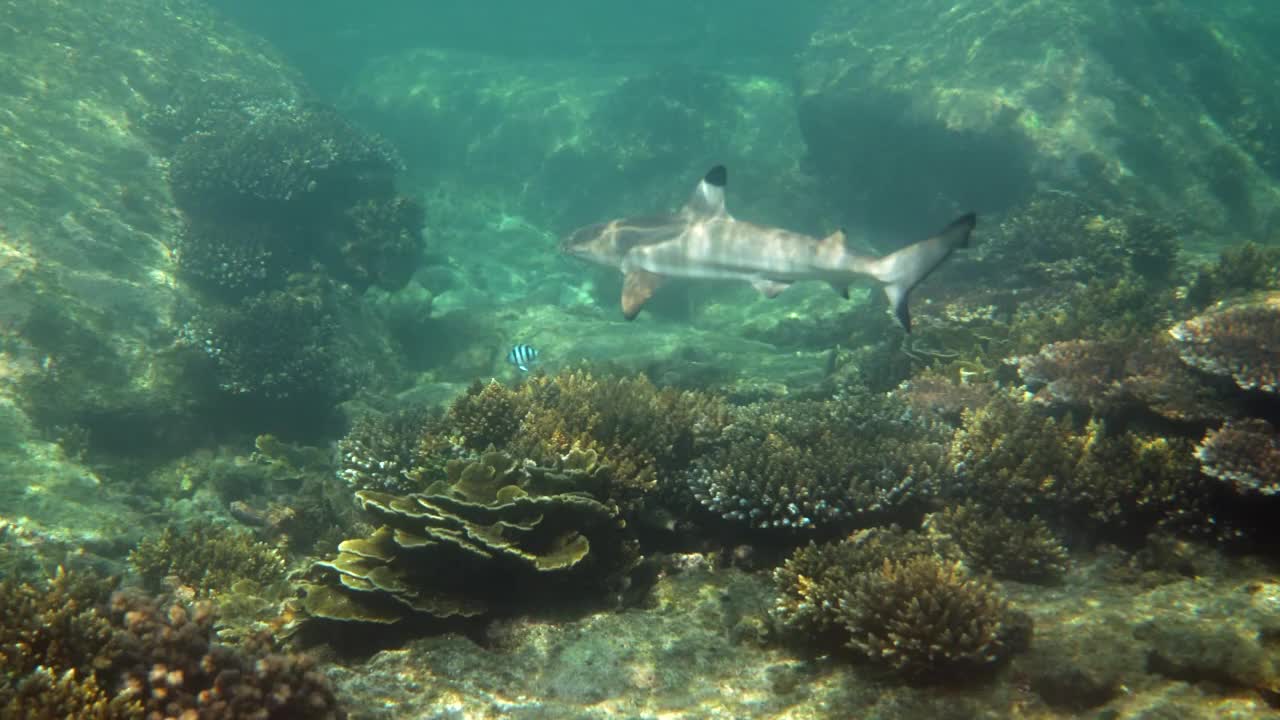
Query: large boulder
(914, 111)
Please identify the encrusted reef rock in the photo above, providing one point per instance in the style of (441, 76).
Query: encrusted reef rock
(972, 106)
(497, 535)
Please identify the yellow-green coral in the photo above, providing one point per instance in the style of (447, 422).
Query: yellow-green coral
(496, 534)
(897, 599)
(643, 431)
(1009, 454)
(208, 557)
(1239, 270)
(47, 695)
(487, 415)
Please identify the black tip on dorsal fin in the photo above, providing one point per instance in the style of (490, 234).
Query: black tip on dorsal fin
(717, 176)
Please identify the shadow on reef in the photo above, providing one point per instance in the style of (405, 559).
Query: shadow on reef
(880, 136)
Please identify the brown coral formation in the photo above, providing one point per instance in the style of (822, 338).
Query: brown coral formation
(1111, 377)
(68, 652)
(924, 618)
(496, 534)
(1240, 341)
(810, 581)
(1245, 453)
(992, 541)
(1008, 454)
(205, 556)
(897, 601)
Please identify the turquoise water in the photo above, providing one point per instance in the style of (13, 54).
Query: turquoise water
(483, 361)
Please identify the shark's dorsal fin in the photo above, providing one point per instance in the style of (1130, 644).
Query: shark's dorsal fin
(708, 197)
(637, 288)
(832, 246)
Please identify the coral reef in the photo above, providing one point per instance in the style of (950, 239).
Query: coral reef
(1008, 454)
(1240, 270)
(894, 599)
(206, 557)
(487, 415)
(1117, 378)
(645, 433)
(381, 451)
(1058, 237)
(71, 648)
(789, 463)
(992, 541)
(926, 619)
(294, 155)
(810, 581)
(297, 185)
(54, 625)
(933, 394)
(273, 347)
(1236, 341)
(1244, 453)
(494, 536)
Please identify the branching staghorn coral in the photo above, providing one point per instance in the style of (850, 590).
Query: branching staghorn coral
(992, 541)
(790, 463)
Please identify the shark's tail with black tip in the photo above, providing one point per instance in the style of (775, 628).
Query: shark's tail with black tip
(903, 270)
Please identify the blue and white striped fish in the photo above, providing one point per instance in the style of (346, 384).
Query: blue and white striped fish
(522, 356)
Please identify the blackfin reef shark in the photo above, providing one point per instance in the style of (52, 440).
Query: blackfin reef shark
(703, 241)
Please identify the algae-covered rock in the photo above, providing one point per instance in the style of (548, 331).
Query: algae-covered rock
(966, 107)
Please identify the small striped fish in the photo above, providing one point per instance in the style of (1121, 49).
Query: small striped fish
(522, 356)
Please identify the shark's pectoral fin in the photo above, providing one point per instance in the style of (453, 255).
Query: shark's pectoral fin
(637, 288)
(769, 288)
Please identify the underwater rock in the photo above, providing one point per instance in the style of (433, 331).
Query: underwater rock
(977, 109)
(496, 536)
(1244, 453)
(1238, 340)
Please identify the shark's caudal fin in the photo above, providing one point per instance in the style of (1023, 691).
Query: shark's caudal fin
(903, 270)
